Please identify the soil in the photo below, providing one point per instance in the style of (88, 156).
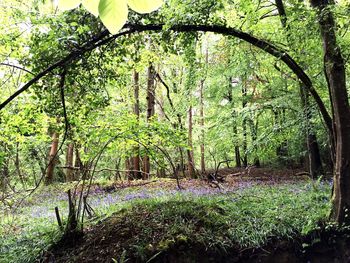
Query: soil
(108, 238)
(107, 241)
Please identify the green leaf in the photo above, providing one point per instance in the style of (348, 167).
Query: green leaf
(145, 6)
(91, 6)
(68, 4)
(113, 14)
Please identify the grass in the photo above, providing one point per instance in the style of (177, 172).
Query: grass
(249, 218)
(162, 219)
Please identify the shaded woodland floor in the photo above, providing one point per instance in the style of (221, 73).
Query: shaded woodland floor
(251, 216)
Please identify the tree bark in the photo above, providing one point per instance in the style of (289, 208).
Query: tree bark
(202, 126)
(190, 159)
(244, 125)
(336, 76)
(150, 112)
(128, 174)
(234, 123)
(52, 159)
(136, 158)
(237, 154)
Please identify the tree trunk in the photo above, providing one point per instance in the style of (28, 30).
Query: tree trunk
(238, 156)
(314, 156)
(52, 159)
(190, 160)
(335, 74)
(136, 158)
(150, 113)
(244, 125)
(128, 174)
(202, 127)
(234, 123)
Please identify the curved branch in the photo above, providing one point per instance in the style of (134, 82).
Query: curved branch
(259, 43)
(17, 67)
(93, 44)
(132, 28)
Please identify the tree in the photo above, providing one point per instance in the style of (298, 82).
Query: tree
(150, 110)
(190, 158)
(52, 158)
(336, 79)
(136, 158)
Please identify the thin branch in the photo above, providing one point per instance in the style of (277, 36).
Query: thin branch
(101, 170)
(167, 90)
(62, 82)
(17, 67)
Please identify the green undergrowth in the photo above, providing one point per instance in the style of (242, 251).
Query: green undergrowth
(26, 245)
(247, 218)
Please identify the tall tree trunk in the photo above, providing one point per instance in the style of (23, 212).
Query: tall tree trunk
(190, 159)
(234, 123)
(136, 158)
(244, 125)
(202, 127)
(69, 162)
(237, 155)
(336, 76)
(52, 158)
(150, 112)
(128, 174)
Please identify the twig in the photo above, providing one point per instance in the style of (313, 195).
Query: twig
(59, 222)
(102, 170)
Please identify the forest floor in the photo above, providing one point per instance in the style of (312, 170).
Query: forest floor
(253, 215)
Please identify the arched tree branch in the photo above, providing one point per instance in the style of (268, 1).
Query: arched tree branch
(275, 51)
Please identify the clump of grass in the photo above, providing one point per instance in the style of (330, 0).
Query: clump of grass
(28, 242)
(246, 219)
